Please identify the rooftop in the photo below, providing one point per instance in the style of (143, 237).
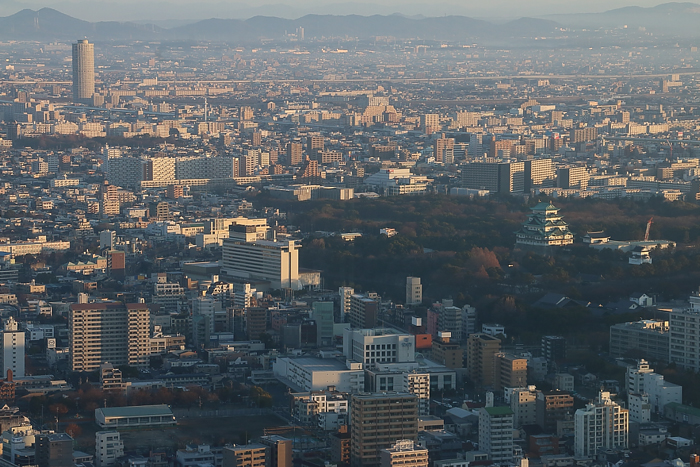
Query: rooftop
(136, 411)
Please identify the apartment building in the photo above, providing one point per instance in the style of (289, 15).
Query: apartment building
(111, 332)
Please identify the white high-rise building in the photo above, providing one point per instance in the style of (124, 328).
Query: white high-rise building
(414, 291)
(642, 380)
(108, 238)
(345, 293)
(83, 71)
(523, 403)
(108, 448)
(599, 426)
(12, 349)
(684, 350)
(496, 433)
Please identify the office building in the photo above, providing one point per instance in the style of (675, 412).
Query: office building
(12, 349)
(404, 453)
(476, 147)
(599, 426)
(322, 313)
(279, 453)
(255, 322)
(246, 455)
(244, 257)
(648, 338)
(108, 238)
(378, 421)
(496, 433)
(306, 374)
(496, 177)
(54, 450)
(364, 311)
(481, 355)
(108, 448)
(108, 332)
(83, 71)
(414, 291)
(374, 346)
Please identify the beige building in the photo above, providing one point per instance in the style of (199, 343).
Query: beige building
(405, 453)
(481, 355)
(279, 451)
(83, 70)
(247, 455)
(108, 332)
(377, 421)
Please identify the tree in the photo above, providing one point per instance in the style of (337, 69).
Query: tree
(74, 430)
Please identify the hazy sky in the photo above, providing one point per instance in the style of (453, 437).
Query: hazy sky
(158, 10)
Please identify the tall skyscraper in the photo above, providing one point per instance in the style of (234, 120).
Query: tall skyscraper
(83, 71)
(12, 349)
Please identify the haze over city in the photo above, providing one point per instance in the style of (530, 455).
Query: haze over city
(349, 234)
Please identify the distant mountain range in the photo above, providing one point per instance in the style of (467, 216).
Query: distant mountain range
(46, 24)
(678, 19)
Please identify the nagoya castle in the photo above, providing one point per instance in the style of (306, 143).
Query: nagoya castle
(543, 228)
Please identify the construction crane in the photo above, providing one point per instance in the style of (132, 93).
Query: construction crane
(646, 234)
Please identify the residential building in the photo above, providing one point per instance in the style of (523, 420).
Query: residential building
(446, 352)
(450, 320)
(481, 354)
(54, 450)
(684, 344)
(513, 371)
(414, 291)
(496, 433)
(378, 420)
(246, 455)
(108, 332)
(444, 150)
(279, 453)
(404, 453)
(12, 349)
(108, 448)
(364, 311)
(643, 380)
(340, 446)
(601, 425)
(523, 403)
(553, 406)
(83, 71)
(554, 348)
(345, 306)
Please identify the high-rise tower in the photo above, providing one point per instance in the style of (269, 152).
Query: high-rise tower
(83, 71)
